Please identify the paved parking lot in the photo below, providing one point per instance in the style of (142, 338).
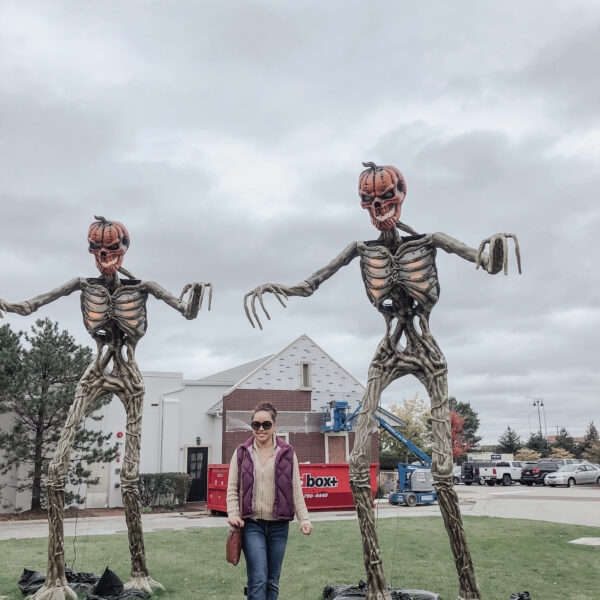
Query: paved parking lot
(578, 505)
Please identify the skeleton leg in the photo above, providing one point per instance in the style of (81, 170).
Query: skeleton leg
(436, 384)
(55, 586)
(133, 398)
(378, 380)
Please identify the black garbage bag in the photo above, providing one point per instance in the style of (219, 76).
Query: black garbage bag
(125, 594)
(107, 587)
(351, 592)
(30, 581)
(109, 584)
(110, 587)
(81, 582)
(520, 596)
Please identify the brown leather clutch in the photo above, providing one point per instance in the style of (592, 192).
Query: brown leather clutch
(234, 545)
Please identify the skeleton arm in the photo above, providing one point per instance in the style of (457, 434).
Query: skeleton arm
(29, 306)
(188, 309)
(494, 262)
(304, 288)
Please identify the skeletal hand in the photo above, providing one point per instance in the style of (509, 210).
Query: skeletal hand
(273, 288)
(194, 302)
(497, 258)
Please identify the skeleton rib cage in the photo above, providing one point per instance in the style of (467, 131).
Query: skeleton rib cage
(121, 312)
(396, 281)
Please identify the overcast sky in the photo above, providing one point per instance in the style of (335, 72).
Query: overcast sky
(229, 136)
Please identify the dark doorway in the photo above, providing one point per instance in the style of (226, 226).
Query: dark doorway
(197, 464)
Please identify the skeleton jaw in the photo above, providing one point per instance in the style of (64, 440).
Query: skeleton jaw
(388, 219)
(388, 214)
(109, 264)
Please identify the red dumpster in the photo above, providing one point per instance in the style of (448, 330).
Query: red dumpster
(325, 486)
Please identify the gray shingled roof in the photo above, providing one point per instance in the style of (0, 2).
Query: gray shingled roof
(236, 374)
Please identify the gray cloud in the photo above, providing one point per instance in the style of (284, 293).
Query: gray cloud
(228, 138)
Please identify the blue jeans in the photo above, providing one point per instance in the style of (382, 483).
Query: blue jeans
(264, 546)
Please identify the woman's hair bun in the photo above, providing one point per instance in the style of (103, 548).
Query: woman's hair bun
(267, 406)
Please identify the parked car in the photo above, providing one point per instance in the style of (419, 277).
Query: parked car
(504, 472)
(535, 471)
(574, 475)
(470, 471)
(456, 471)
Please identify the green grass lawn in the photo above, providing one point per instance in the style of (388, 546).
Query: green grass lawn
(509, 555)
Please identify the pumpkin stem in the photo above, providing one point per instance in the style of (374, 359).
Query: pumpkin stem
(101, 219)
(370, 165)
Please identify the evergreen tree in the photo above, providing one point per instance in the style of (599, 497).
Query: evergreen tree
(591, 438)
(539, 443)
(471, 425)
(592, 453)
(566, 441)
(37, 388)
(509, 442)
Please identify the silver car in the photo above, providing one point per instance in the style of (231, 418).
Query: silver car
(573, 474)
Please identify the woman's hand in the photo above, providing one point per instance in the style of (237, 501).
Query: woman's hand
(307, 529)
(235, 522)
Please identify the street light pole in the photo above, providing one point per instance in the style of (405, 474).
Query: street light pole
(539, 402)
(545, 425)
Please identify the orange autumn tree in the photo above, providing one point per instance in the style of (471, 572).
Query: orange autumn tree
(460, 445)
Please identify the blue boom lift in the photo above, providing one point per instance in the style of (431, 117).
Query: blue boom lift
(415, 482)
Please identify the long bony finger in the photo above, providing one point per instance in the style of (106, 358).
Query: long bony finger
(183, 291)
(202, 288)
(517, 251)
(276, 292)
(246, 309)
(255, 314)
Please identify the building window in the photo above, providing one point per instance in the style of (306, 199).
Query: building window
(305, 375)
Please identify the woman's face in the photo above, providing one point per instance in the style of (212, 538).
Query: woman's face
(262, 434)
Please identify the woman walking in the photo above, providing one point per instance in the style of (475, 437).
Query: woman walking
(263, 494)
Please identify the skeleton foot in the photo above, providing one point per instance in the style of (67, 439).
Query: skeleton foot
(146, 584)
(62, 592)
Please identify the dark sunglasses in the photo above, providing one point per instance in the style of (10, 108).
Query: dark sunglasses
(266, 425)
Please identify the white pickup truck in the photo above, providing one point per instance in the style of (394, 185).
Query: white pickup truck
(504, 472)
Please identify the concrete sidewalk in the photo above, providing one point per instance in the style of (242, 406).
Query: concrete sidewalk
(576, 506)
(179, 521)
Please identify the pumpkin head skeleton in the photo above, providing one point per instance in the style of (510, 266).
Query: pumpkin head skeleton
(382, 191)
(108, 242)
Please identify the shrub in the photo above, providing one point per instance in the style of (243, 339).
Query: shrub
(162, 489)
(388, 461)
(527, 454)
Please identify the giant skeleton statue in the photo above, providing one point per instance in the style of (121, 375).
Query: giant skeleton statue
(401, 280)
(114, 314)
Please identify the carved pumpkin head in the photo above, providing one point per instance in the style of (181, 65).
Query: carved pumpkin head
(108, 242)
(382, 191)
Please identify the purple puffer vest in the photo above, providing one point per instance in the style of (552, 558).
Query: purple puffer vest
(283, 507)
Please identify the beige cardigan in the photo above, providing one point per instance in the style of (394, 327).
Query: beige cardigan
(264, 489)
